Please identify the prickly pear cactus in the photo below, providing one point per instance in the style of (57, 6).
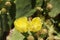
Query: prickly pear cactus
(42, 15)
(7, 16)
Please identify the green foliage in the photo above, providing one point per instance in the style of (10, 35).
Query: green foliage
(56, 8)
(1, 31)
(24, 8)
(6, 20)
(39, 2)
(16, 35)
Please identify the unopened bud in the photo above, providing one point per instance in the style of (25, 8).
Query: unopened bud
(49, 6)
(30, 37)
(8, 4)
(39, 8)
(51, 38)
(3, 10)
(44, 31)
(40, 39)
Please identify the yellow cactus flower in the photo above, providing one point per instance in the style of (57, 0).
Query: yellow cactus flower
(35, 24)
(21, 24)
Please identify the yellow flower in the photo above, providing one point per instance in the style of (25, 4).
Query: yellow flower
(35, 24)
(21, 24)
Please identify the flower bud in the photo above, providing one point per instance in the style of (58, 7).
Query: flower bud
(3, 10)
(40, 38)
(44, 31)
(8, 4)
(51, 38)
(39, 8)
(30, 37)
(49, 6)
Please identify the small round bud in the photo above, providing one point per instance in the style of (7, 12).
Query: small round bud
(30, 37)
(40, 39)
(8, 4)
(51, 38)
(44, 31)
(3, 10)
(49, 6)
(39, 8)
(48, 22)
